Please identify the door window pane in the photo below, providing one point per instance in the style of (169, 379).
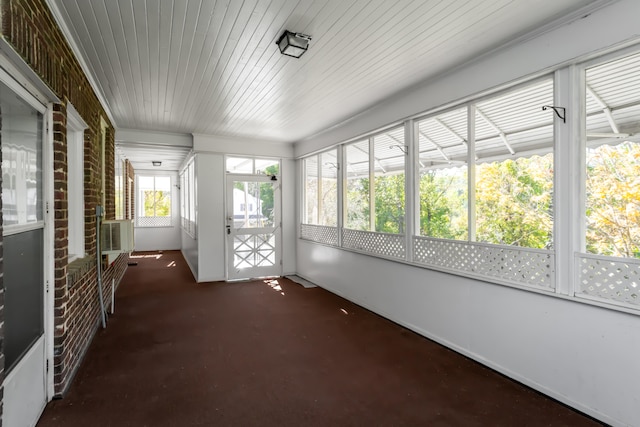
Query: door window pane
(21, 160)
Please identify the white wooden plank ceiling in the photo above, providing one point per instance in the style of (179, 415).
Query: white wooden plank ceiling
(212, 66)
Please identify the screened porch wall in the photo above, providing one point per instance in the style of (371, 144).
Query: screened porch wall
(580, 354)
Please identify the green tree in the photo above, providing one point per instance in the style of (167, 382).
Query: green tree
(389, 203)
(613, 200)
(157, 203)
(443, 200)
(267, 194)
(513, 202)
(357, 204)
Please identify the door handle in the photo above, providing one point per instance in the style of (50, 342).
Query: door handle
(228, 229)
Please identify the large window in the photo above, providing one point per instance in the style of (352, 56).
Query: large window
(481, 186)
(613, 158)
(514, 172)
(443, 187)
(154, 201)
(512, 155)
(321, 189)
(375, 183)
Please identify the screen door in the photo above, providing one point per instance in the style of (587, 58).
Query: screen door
(253, 226)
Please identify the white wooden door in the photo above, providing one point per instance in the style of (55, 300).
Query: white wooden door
(253, 226)
(24, 236)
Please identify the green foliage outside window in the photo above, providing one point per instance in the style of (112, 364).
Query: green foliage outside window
(389, 202)
(157, 203)
(513, 202)
(613, 200)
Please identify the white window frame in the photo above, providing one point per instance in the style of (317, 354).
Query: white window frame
(75, 183)
(153, 221)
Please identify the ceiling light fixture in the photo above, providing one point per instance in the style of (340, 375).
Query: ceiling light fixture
(293, 44)
(156, 163)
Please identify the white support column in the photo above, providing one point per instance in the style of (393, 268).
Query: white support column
(319, 188)
(342, 182)
(372, 187)
(569, 183)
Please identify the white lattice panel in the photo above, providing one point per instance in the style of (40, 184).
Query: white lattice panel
(513, 264)
(388, 245)
(319, 233)
(154, 221)
(612, 279)
(254, 250)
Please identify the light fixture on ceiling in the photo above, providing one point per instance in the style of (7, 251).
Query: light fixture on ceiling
(293, 44)
(156, 163)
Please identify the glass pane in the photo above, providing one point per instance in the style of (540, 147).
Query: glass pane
(311, 190)
(613, 200)
(239, 165)
(23, 276)
(163, 183)
(514, 123)
(443, 202)
(267, 167)
(329, 189)
(253, 204)
(389, 156)
(21, 160)
(443, 187)
(514, 173)
(613, 158)
(513, 202)
(357, 209)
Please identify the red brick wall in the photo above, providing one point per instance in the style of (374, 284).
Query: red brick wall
(30, 28)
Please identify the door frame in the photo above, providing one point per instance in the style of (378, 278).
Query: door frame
(277, 229)
(28, 86)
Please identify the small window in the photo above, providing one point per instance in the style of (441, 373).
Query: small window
(321, 189)
(251, 166)
(154, 201)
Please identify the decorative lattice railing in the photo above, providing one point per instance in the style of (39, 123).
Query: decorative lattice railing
(522, 266)
(319, 233)
(613, 280)
(383, 244)
(154, 221)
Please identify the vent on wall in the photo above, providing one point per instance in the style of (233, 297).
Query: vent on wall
(117, 236)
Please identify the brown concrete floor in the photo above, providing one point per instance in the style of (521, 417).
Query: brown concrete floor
(258, 353)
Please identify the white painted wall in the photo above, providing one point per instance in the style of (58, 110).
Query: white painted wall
(210, 214)
(190, 252)
(161, 238)
(580, 354)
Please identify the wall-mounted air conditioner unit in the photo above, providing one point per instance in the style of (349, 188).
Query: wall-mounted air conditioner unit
(117, 236)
